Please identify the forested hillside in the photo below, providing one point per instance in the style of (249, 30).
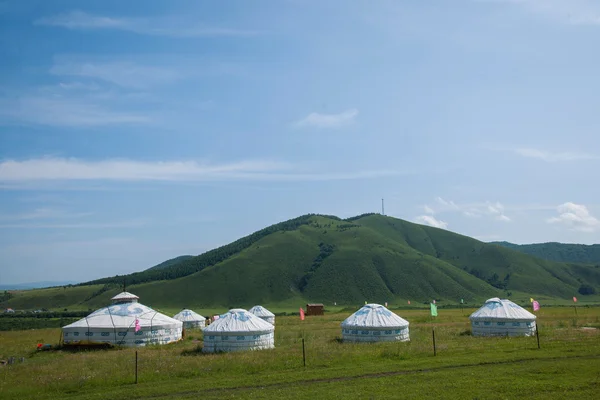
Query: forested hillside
(562, 252)
(326, 259)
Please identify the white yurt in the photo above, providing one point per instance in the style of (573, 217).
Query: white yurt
(374, 323)
(238, 330)
(190, 319)
(263, 313)
(116, 325)
(502, 318)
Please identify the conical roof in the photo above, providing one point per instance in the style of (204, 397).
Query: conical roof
(495, 308)
(123, 315)
(260, 311)
(238, 320)
(124, 297)
(374, 316)
(188, 315)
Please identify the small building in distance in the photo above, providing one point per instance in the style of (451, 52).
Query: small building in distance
(190, 319)
(263, 314)
(314, 309)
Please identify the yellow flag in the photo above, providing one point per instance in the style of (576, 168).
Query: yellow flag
(531, 299)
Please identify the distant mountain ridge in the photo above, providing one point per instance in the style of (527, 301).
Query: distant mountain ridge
(326, 259)
(561, 252)
(34, 285)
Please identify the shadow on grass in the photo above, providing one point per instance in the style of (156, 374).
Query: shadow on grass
(197, 351)
(84, 348)
(73, 349)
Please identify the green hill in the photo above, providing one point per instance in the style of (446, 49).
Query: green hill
(169, 263)
(562, 252)
(325, 259)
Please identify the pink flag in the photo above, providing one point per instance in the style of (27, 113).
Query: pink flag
(137, 325)
(536, 305)
(433, 301)
(301, 314)
(575, 299)
(409, 302)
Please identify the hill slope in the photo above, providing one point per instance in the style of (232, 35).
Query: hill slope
(325, 259)
(169, 263)
(561, 252)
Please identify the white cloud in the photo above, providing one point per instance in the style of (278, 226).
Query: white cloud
(503, 218)
(172, 27)
(428, 210)
(431, 221)
(122, 73)
(575, 216)
(122, 170)
(495, 208)
(450, 205)
(554, 157)
(70, 169)
(66, 111)
(76, 86)
(332, 121)
(471, 210)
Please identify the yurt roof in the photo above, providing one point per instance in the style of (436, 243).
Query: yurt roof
(189, 315)
(260, 311)
(374, 316)
(502, 309)
(238, 320)
(123, 315)
(123, 296)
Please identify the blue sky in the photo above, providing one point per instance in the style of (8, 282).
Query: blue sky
(133, 132)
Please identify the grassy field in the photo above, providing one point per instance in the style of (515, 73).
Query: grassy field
(567, 365)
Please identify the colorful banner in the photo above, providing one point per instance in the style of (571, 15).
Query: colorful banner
(433, 310)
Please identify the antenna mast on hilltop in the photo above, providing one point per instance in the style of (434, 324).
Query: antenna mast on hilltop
(382, 211)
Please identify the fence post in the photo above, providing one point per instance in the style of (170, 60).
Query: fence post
(136, 367)
(303, 353)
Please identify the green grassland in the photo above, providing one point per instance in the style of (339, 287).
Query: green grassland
(70, 297)
(325, 259)
(566, 366)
